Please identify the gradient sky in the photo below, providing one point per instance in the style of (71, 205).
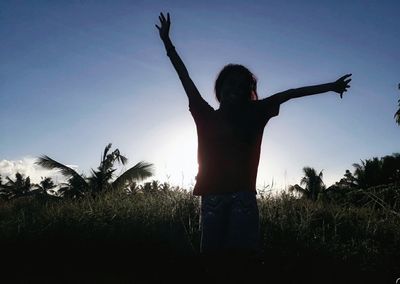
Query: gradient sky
(76, 75)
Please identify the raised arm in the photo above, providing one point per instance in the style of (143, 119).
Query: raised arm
(339, 86)
(190, 88)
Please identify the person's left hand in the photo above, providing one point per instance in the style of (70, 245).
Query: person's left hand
(165, 24)
(342, 84)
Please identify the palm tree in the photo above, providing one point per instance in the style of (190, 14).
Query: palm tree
(359, 174)
(391, 168)
(16, 188)
(45, 186)
(76, 186)
(377, 171)
(100, 179)
(313, 184)
(369, 173)
(348, 181)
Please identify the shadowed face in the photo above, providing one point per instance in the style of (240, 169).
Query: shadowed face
(236, 89)
(235, 85)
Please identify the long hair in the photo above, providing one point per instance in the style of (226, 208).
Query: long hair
(232, 71)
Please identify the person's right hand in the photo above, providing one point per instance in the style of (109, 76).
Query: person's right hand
(165, 24)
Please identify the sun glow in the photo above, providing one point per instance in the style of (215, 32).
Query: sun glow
(176, 159)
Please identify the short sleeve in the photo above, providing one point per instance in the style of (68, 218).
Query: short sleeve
(268, 108)
(198, 107)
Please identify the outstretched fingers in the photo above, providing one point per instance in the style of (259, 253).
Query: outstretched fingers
(164, 21)
(163, 26)
(345, 76)
(163, 18)
(343, 84)
(346, 80)
(347, 83)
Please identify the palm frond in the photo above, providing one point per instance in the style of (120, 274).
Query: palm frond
(123, 160)
(357, 166)
(138, 172)
(297, 188)
(106, 151)
(49, 163)
(304, 181)
(116, 155)
(10, 181)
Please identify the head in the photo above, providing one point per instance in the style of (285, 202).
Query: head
(235, 84)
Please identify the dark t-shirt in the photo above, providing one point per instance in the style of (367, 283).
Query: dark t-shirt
(229, 142)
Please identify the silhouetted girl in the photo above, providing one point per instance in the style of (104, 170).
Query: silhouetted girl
(229, 141)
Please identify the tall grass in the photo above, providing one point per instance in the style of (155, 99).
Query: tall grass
(297, 234)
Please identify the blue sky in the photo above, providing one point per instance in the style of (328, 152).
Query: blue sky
(76, 75)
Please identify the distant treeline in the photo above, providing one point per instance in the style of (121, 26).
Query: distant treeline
(373, 180)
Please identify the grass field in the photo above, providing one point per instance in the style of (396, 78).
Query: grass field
(119, 238)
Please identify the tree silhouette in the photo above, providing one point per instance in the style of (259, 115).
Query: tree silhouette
(360, 174)
(45, 186)
(16, 188)
(312, 182)
(76, 186)
(348, 180)
(377, 171)
(100, 179)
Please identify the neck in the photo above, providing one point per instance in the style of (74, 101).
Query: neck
(232, 105)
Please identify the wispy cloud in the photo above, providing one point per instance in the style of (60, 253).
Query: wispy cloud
(27, 167)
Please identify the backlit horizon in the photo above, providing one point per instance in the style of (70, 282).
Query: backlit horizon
(76, 76)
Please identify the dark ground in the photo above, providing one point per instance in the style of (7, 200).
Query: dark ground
(69, 261)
